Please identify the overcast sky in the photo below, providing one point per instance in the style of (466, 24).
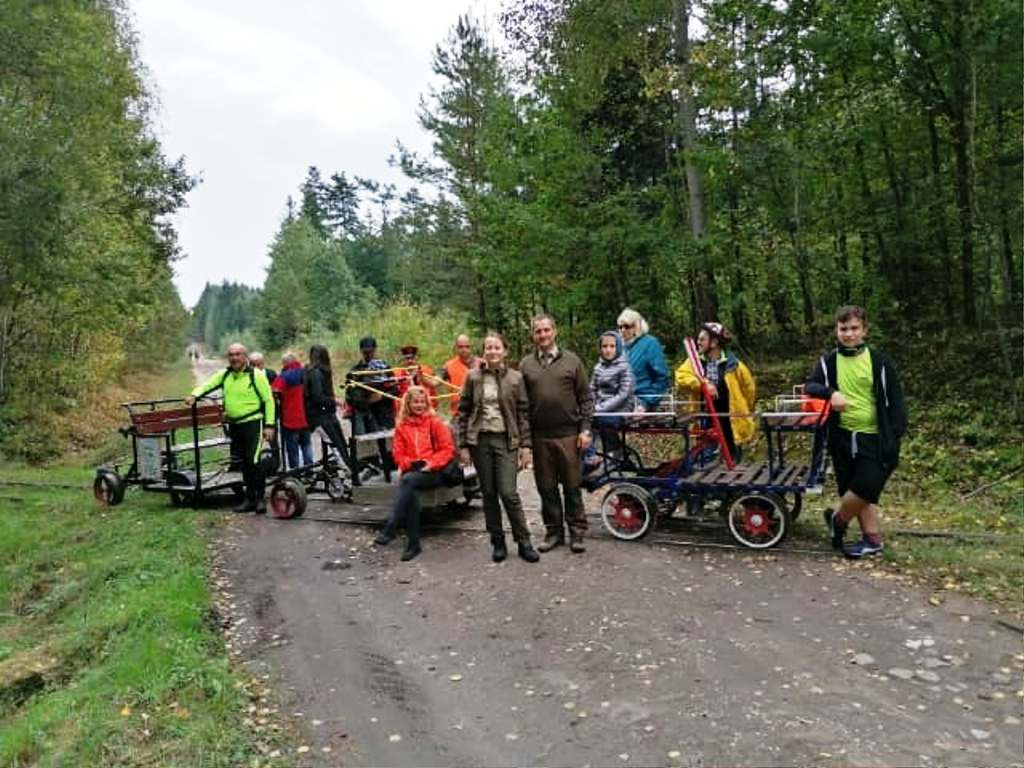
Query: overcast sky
(254, 92)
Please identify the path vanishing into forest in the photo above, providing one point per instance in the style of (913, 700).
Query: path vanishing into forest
(631, 654)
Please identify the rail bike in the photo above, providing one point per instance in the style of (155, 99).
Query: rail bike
(757, 501)
(182, 450)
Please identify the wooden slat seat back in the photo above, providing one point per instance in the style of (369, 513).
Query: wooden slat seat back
(163, 421)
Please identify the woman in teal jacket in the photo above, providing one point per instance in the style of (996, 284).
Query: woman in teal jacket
(646, 358)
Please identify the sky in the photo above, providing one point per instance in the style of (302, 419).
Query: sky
(252, 93)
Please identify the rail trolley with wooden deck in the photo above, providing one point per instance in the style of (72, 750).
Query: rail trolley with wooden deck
(757, 501)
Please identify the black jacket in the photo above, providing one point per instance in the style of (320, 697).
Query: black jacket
(890, 408)
(319, 399)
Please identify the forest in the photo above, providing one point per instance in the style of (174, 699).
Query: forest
(756, 163)
(86, 248)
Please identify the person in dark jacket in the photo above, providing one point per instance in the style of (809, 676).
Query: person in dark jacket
(561, 408)
(321, 403)
(647, 359)
(612, 387)
(493, 432)
(868, 421)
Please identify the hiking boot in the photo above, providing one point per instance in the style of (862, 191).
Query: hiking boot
(862, 548)
(550, 542)
(836, 530)
(411, 550)
(384, 538)
(528, 553)
(576, 545)
(500, 550)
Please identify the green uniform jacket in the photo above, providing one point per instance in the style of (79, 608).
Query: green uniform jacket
(247, 394)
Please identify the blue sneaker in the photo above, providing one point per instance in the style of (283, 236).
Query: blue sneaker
(862, 548)
(836, 530)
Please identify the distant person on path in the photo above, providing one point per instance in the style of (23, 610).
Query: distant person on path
(249, 409)
(646, 358)
(319, 398)
(868, 421)
(289, 386)
(423, 447)
(561, 408)
(256, 361)
(730, 385)
(493, 432)
(613, 390)
(455, 370)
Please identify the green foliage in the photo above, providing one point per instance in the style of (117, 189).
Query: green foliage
(85, 247)
(309, 285)
(223, 310)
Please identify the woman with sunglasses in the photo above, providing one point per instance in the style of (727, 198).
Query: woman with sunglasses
(646, 358)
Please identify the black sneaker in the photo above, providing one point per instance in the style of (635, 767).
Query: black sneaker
(411, 552)
(836, 530)
(383, 539)
(245, 506)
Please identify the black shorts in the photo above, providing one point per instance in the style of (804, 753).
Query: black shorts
(858, 464)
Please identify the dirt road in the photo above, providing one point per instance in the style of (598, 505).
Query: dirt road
(632, 654)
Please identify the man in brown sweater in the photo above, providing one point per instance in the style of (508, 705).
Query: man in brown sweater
(561, 408)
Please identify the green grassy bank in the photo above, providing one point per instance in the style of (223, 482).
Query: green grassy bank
(110, 652)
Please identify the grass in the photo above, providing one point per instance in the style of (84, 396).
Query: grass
(110, 654)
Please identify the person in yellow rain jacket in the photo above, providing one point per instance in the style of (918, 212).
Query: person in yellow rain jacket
(249, 409)
(737, 394)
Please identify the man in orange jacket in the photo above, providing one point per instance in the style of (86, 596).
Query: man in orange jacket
(457, 369)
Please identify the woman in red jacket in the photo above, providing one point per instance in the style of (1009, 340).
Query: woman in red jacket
(422, 448)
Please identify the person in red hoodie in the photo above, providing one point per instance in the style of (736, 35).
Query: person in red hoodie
(294, 427)
(422, 448)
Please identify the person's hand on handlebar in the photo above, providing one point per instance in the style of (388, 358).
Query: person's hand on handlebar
(190, 401)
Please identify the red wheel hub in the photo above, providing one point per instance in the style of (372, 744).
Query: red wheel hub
(757, 520)
(628, 513)
(282, 504)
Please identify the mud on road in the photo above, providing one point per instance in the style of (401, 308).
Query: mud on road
(632, 654)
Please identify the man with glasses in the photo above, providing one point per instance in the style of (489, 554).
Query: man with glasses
(561, 409)
(457, 369)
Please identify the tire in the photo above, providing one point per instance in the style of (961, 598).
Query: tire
(182, 498)
(798, 505)
(287, 499)
(108, 488)
(628, 511)
(757, 520)
(337, 488)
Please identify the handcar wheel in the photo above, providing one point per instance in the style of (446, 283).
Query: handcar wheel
(627, 511)
(181, 498)
(108, 489)
(337, 488)
(798, 505)
(758, 520)
(287, 498)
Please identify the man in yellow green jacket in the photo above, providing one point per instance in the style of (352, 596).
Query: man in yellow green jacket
(249, 409)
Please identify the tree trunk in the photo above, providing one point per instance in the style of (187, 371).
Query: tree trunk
(703, 283)
(964, 183)
(938, 207)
